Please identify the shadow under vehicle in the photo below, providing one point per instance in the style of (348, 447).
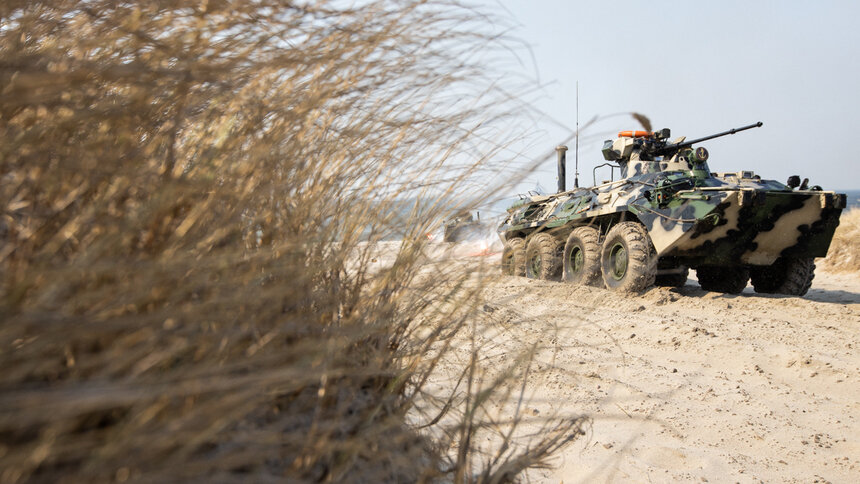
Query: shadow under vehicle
(667, 214)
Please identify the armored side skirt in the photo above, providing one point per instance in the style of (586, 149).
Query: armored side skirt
(744, 227)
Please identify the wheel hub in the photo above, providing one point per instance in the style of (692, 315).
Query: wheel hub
(536, 265)
(618, 261)
(577, 259)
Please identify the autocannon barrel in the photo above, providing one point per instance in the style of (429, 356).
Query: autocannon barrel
(687, 144)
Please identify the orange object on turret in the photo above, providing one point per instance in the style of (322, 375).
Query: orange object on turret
(633, 134)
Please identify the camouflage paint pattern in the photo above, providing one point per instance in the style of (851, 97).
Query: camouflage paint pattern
(693, 217)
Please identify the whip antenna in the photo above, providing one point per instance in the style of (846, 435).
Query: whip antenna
(576, 150)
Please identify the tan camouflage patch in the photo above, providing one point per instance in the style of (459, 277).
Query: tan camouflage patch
(785, 233)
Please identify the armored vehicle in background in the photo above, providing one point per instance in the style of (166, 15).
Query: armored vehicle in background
(667, 214)
(463, 227)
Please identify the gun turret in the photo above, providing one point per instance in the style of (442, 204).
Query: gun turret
(646, 146)
(643, 152)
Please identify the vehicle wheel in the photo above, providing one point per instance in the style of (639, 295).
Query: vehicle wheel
(543, 258)
(628, 261)
(514, 257)
(674, 279)
(730, 280)
(792, 277)
(581, 259)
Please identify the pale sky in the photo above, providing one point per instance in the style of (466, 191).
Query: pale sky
(700, 68)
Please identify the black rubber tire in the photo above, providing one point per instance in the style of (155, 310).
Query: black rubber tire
(581, 257)
(628, 261)
(543, 257)
(792, 277)
(729, 280)
(514, 257)
(678, 279)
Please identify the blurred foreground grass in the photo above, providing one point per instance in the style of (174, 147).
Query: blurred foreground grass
(191, 195)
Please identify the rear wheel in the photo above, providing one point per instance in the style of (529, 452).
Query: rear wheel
(730, 280)
(792, 277)
(514, 257)
(628, 262)
(543, 258)
(581, 260)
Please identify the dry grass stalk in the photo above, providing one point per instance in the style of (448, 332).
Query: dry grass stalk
(192, 196)
(844, 253)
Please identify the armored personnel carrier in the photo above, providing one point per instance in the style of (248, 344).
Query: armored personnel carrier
(667, 214)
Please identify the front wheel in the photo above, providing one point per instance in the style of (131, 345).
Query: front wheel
(581, 260)
(792, 277)
(628, 261)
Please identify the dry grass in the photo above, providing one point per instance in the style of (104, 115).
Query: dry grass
(844, 253)
(191, 196)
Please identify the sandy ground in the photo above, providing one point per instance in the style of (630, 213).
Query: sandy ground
(687, 385)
